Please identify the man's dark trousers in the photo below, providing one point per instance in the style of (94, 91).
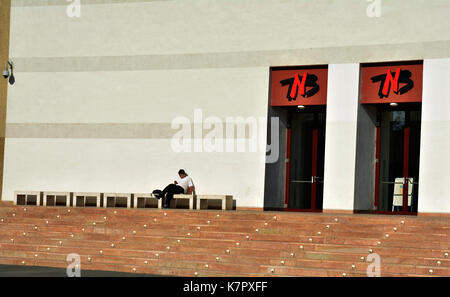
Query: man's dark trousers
(171, 190)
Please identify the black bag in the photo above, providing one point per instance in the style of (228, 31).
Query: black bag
(157, 193)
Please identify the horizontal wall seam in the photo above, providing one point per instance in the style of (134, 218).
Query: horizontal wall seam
(266, 58)
(34, 3)
(110, 130)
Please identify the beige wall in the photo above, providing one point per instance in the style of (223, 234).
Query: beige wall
(131, 28)
(95, 95)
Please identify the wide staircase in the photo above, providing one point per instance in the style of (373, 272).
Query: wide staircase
(207, 243)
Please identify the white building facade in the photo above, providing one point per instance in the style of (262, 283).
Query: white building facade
(107, 94)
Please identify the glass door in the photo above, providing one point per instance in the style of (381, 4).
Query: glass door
(306, 160)
(397, 167)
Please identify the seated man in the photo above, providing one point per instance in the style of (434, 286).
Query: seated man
(183, 185)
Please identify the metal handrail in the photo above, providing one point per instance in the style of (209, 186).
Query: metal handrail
(313, 178)
(401, 183)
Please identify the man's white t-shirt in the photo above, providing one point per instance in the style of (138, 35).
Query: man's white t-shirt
(185, 183)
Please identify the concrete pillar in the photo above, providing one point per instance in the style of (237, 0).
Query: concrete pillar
(340, 142)
(434, 174)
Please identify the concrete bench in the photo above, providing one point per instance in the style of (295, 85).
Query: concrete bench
(226, 200)
(84, 197)
(190, 197)
(26, 195)
(56, 195)
(145, 197)
(114, 196)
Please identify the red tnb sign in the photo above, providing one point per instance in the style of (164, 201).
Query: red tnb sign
(299, 86)
(387, 84)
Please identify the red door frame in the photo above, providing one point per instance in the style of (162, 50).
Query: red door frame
(406, 135)
(377, 168)
(288, 166)
(314, 180)
(314, 169)
(405, 166)
(370, 96)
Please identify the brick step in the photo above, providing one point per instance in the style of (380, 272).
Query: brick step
(68, 218)
(187, 268)
(139, 214)
(368, 242)
(112, 234)
(98, 227)
(283, 232)
(298, 271)
(150, 225)
(104, 227)
(142, 241)
(135, 213)
(329, 217)
(416, 237)
(170, 271)
(436, 271)
(151, 229)
(107, 244)
(403, 270)
(145, 243)
(427, 230)
(281, 238)
(379, 228)
(412, 249)
(96, 233)
(386, 271)
(114, 217)
(139, 262)
(298, 239)
(336, 238)
(387, 219)
(309, 255)
(433, 262)
(342, 238)
(234, 215)
(95, 248)
(336, 227)
(407, 237)
(147, 238)
(191, 247)
(361, 267)
(415, 244)
(353, 234)
(263, 229)
(389, 259)
(69, 247)
(131, 254)
(381, 250)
